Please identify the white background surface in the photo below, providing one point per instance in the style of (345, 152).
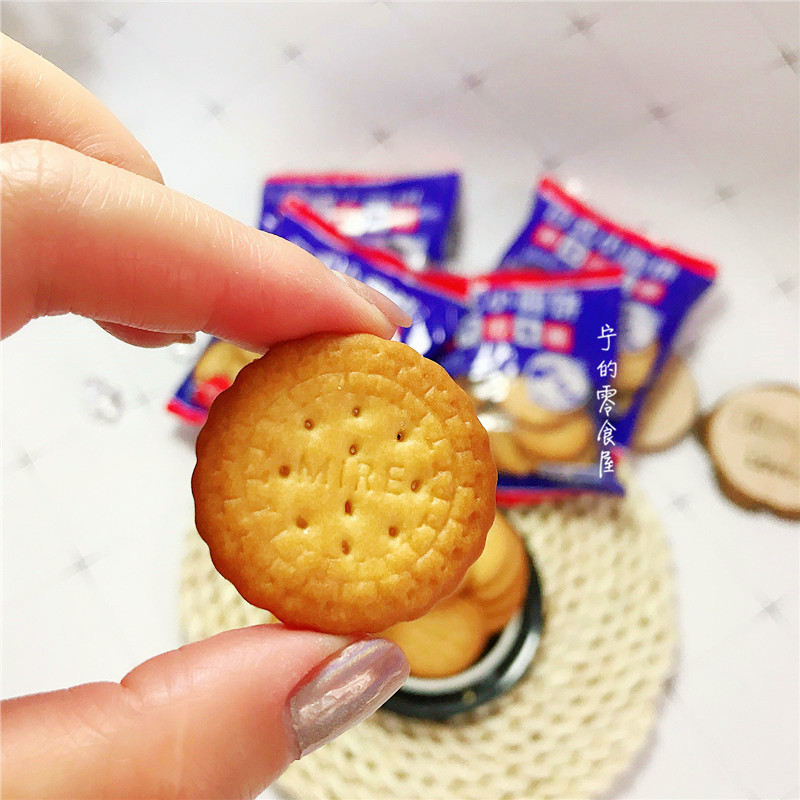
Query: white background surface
(679, 118)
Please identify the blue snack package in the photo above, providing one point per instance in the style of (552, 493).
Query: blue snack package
(414, 217)
(563, 233)
(191, 401)
(660, 285)
(434, 302)
(533, 353)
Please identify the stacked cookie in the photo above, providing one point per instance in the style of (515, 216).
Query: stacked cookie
(455, 633)
(634, 368)
(531, 431)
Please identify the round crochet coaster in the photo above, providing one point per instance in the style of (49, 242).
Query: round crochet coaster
(569, 728)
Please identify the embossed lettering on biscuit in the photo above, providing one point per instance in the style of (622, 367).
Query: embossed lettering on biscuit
(343, 483)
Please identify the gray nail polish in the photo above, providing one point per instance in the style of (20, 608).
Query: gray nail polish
(346, 689)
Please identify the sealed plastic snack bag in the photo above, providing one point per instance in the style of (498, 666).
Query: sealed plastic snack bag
(660, 284)
(535, 354)
(435, 304)
(660, 287)
(214, 372)
(414, 217)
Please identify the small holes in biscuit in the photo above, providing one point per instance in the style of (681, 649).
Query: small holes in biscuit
(414, 486)
(348, 507)
(393, 531)
(353, 449)
(400, 436)
(284, 471)
(301, 522)
(309, 423)
(356, 411)
(345, 546)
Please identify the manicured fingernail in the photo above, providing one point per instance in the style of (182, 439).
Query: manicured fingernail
(346, 689)
(387, 307)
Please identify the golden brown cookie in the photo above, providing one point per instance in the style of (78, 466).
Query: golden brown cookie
(343, 483)
(622, 403)
(496, 588)
(633, 367)
(670, 409)
(453, 635)
(500, 542)
(447, 640)
(753, 438)
(520, 407)
(562, 443)
(498, 613)
(589, 454)
(498, 580)
(509, 456)
(463, 383)
(222, 359)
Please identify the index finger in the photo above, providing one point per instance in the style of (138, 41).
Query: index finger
(42, 102)
(81, 236)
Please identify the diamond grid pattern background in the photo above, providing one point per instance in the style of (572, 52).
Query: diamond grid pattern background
(681, 119)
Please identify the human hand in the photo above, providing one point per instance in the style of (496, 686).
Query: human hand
(88, 227)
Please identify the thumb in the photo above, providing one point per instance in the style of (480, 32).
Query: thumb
(219, 718)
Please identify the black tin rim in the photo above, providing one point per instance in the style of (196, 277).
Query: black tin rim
(509, 671)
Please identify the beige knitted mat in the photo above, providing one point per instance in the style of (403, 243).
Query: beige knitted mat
(569, 728)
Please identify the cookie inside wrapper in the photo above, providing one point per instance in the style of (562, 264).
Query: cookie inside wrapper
(660, 286)
(214, 371)
(434, 301)
(414, 217)
(531, 355)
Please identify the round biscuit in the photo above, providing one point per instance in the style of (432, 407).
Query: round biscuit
(519, 406)
(562, 443)
(633, 367)
(447, 640)
(589, 454)
(497, 614)
(622, 402)
(491, 562)
(463, 382)
(343, 483)
(513, 564)
(509, 456)
(222, 358)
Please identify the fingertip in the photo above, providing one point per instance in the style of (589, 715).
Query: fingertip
(121, 248)
(148, 168)
(362, 677)
(392, 313)
(144, 338)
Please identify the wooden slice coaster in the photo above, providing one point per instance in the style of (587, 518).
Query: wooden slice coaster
(753, 438)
